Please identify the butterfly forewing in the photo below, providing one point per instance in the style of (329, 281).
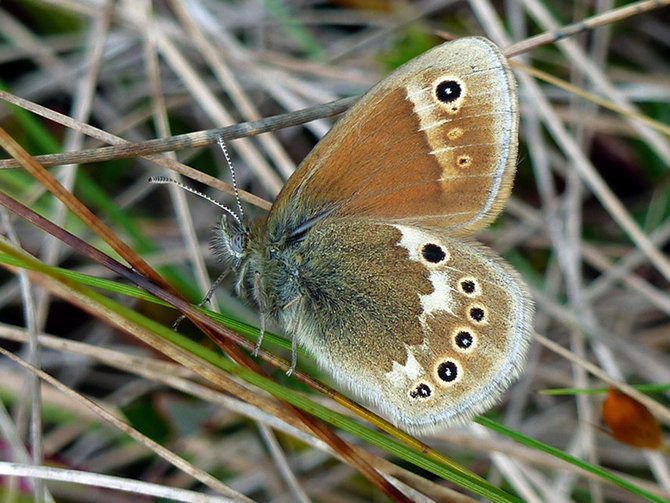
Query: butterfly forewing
(433, 144)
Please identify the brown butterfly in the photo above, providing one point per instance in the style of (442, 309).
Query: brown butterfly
(367, 259)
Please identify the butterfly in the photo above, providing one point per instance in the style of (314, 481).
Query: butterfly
(367, 256)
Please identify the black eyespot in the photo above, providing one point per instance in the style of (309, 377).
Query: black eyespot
(477, 314)
(464, 339)
(448, 91)
(447, 371)
(421, 391)
(433, 253)
(468, 286)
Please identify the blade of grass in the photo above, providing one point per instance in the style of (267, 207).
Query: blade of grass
(541, 446)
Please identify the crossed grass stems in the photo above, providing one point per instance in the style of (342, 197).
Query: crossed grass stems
(564, 245)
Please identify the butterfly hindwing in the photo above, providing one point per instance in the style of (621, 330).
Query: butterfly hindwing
(428, 328)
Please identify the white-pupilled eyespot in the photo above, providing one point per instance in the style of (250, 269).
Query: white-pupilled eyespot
(464, 339)
(450, 92)
(448, 371)
(421, 391)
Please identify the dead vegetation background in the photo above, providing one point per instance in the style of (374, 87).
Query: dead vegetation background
(588, 227)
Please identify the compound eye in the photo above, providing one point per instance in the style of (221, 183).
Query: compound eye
(237, 243)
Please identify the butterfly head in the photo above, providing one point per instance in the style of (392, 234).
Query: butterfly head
(230, 241)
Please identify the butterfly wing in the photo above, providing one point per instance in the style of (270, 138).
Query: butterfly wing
(428, 328)
(434, 144)
(360, 256)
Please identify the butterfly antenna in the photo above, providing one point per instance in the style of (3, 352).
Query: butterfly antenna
(163, 179)
(232, 175)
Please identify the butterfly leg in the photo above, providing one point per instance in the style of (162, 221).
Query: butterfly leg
(214, 288)
(261, 308)
(294, 329)
(206, 299)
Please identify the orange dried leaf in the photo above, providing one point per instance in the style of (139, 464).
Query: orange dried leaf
(631, 422)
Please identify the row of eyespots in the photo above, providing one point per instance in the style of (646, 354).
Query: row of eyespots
(451, 93)
(464, 338)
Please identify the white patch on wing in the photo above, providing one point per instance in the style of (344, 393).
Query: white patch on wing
(440, 299)
(413, 240)
(400, 375)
